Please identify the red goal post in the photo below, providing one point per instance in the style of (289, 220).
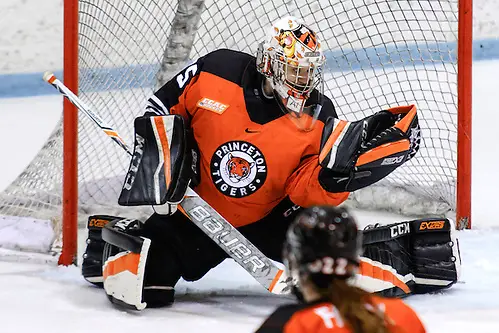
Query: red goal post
(73, 30)
(70, 138)
(465, 88)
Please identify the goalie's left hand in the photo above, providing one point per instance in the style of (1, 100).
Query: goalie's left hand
(357, 154)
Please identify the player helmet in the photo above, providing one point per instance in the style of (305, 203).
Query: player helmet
(323, 242)
(292, 59)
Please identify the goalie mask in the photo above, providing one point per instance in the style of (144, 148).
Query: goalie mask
(292, 59)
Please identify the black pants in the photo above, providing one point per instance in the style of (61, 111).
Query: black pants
(180, 249)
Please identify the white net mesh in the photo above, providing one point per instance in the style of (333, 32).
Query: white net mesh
(380, 53)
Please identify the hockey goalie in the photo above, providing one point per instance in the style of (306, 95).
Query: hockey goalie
(257, 139)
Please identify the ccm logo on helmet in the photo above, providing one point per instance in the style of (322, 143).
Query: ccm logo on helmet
(432, 225)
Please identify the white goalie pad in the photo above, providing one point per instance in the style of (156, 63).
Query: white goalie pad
(124, 276)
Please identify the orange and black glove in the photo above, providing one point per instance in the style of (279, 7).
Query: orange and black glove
(357, 154)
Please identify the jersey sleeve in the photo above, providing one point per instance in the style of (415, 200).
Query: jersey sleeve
(304, 189)
(172, 96)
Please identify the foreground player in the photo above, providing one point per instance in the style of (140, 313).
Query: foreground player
(257, 139)
(322, 250)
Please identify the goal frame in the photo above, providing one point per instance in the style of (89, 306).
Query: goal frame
(70, 126)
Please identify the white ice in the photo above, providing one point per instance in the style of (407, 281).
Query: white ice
(41, 298)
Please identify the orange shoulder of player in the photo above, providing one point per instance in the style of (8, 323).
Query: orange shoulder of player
(400, 316)
(323, 317)
(302, 318)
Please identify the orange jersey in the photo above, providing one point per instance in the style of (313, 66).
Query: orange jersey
(251, 155)
(322, 317)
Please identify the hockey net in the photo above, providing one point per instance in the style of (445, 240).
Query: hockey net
(380, 53)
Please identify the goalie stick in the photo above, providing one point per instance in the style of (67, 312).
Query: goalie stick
(214, 225)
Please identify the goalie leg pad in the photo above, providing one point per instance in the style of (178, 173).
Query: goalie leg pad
(417, 256)
(133, 277)
(436, 255)
(91, 267)
(123, 273)
(124, 277)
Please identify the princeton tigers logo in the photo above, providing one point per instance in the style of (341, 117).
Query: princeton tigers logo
(238, 168)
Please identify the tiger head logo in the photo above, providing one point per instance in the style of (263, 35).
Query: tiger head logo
(238, 168)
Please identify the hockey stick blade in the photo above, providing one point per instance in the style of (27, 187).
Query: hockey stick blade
(202, 214)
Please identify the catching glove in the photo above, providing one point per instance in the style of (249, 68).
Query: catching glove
(357, 154)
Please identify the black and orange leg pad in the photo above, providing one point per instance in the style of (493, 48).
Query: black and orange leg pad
(418, 256)
(91, 267)
(123, 272)
(134, 277)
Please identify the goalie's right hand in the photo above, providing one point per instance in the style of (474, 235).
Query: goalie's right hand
(357, 154)
(161, 167)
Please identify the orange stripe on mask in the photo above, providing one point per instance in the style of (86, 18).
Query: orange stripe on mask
(331, 140)
(370, 270)
(163, 137)
(128, 262)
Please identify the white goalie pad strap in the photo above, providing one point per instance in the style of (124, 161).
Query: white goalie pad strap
(124, 276)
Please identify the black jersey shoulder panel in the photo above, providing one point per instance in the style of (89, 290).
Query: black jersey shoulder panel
(227, 64)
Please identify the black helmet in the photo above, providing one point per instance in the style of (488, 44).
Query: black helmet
(321, 242)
